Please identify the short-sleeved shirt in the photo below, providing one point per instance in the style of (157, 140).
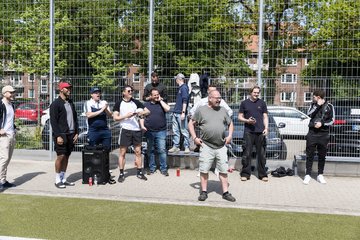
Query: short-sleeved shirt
(213, 124)
(156, 120)
(256, 110)
(124, 107)
(182, 97)
(100, 121)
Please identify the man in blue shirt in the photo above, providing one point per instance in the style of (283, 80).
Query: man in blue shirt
(253, 112)
(155, 130)
(179, 120)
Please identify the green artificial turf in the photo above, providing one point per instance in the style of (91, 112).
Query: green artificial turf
(70, 218)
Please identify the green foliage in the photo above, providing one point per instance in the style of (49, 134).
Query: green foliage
(28, 137)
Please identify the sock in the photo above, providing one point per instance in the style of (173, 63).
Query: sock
(139, 171)
(57, 178)
(121, 171)
(62, 176)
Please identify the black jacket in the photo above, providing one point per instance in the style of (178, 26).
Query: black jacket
(324, 114)
(58, 117)
(160, 87)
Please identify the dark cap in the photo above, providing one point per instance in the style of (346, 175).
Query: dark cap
(95, 89)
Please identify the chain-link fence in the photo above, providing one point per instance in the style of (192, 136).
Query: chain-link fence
(306, 45)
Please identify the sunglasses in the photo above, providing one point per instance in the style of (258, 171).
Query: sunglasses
(130, 91)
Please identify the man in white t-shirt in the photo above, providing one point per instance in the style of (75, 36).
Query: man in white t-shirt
(126, 111)
(7, 134)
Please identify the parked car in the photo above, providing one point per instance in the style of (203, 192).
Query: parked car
(345, 133)
(296, 121)
(29, 112)
(275, 146)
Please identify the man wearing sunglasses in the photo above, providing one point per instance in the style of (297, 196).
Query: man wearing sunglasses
(126, 111)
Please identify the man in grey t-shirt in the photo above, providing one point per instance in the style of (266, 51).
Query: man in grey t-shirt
(213, 121)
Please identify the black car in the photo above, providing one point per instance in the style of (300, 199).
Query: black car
(83, 140)
(275, 146)
(345, 133)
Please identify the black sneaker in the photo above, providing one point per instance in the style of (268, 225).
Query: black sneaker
(151, 172)
(8, 185)
(229, 197)
(165, 173)
(60, 185)
(1, 187)
(67, 183)
(121, 178)
(203, 196)
(111, 181)
(141, 176)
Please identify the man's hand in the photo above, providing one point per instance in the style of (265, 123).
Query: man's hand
(59, 140)
(251, 121)
(265, 132)
(75, 138)
(228, 139)
(198, 141)
(318, 125)
(182, 116)
(2, 132)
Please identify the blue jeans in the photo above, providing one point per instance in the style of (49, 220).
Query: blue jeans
(97, 137)
(156, 140)
(179, 127)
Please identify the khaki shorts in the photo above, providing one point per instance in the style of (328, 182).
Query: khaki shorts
(209, 155)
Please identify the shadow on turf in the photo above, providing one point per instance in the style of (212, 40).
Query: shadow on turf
(213, 186)
(26, 177)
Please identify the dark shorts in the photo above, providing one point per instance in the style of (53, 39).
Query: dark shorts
(129, 137)
(67, 147)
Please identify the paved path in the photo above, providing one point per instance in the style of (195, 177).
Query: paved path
(34, 175)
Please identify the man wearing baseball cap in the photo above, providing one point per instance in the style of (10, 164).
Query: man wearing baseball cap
(7, 133)
(64, 123)
(97, 111)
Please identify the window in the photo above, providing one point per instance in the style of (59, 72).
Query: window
(288, 97)
(289, 61)
(15, 80)
(288, 78)
(136, 94)
(31, 93)
(136, 77)
(307, 96)
(44, 86)
(31, 77)
(19, 94)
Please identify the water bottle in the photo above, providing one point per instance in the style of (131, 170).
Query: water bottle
(95, 180)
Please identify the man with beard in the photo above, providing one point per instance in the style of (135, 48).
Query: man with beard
(7, 134)
(64, 124)
(213, 121)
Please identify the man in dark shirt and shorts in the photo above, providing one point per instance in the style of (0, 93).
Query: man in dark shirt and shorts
(213, 121)
(64, 124)
(253, 112)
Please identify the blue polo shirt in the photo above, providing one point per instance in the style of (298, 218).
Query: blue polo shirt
(182, 96)
(156, 120)
(256, 110)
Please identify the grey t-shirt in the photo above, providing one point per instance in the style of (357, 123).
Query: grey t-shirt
(213, 123)
(70, 116)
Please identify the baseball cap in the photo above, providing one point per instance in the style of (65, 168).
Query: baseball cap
(7, 88)
(180, 75)
(64, 85)
(95, 89)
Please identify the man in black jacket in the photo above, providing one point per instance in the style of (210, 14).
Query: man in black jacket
(64, 123)
(322, 116)
(7, 133)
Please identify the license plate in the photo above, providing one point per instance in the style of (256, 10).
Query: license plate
(356, 127)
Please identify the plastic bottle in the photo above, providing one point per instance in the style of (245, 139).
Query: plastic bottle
(95, 180)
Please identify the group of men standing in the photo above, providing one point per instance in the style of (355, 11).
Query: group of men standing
(211, 115)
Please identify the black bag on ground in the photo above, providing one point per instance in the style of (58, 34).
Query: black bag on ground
(279, 172)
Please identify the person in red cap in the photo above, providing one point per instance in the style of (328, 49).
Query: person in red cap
(64, 123)
(7, 133)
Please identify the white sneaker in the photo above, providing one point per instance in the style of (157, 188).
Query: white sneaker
(320, 178)
(174, 150)
(187, 151)
(307, 179)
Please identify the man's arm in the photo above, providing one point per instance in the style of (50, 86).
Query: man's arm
(164, 105)
(266, 123)
(230, 130)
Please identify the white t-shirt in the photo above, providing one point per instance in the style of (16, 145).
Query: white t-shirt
(124, 108)
(9, 119)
